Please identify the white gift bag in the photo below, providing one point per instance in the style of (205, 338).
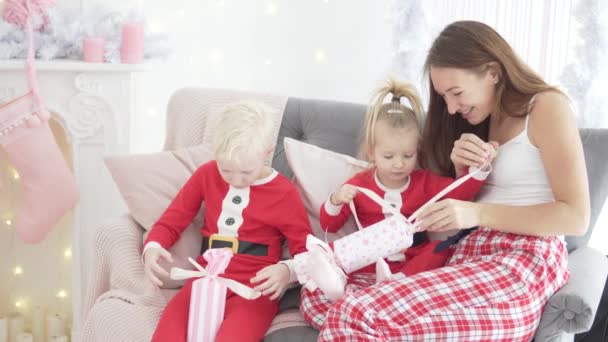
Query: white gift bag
(378, 241)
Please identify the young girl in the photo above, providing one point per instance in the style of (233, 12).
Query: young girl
(245, 205)
(391, 144)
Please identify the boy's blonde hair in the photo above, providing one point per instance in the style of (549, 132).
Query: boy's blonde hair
(395, 114)
(243, 128)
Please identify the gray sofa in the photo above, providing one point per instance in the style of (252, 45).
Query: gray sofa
(129, 313)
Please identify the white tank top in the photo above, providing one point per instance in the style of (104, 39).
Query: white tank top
(518, 176)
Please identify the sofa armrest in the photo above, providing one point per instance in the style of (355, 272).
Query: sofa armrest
(116, 259)
(572, 309)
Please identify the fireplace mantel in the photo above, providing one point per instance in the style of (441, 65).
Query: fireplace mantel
(94, 103)
(73, 66)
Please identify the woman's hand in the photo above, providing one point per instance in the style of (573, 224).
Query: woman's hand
(449, 214)
(152, 267)
(470, 150)
(274, 278)
(344, 195)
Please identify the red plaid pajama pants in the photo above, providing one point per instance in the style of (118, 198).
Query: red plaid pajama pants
(493, 288)
(314, 305)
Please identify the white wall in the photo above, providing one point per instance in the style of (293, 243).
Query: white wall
(329, 49)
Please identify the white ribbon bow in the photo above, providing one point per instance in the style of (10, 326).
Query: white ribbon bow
(312, 242)
(236, 287)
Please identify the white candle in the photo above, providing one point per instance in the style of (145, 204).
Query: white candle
(62, 338)
(16, 325)
(38, 323)
(54, 326)
(3, 329)
(25, 337)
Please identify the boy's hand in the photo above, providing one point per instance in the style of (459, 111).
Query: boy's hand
(274, 278)
(152, 268)
(344, 195)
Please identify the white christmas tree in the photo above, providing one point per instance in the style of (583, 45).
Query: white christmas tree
(586, 77)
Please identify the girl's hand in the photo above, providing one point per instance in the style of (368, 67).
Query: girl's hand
(449, 214)
(344, 195)
(152, 267)
(470, 150)
(274, 278)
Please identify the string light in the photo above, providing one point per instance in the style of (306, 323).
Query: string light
(20, 303)
(216, 57)
(68, 253)
(8, 222)
(62, 294)
(271, 8)
(268, 61)
(18, 270)
(151, 112)
(320, 56)
(15, 174)
(157, 25)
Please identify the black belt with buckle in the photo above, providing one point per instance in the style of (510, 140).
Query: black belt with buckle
(237, 246)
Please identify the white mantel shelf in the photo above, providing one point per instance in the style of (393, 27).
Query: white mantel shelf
(75, 65)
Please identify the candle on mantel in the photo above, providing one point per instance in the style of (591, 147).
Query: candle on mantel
(3, 329)
(55, 325)
(25, 337)
(16, 325)
(61, 338)
(38, 323)
(132, 44)
(93, 49)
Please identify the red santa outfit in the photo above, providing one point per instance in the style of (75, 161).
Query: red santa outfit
(421, 186)
(261, 215)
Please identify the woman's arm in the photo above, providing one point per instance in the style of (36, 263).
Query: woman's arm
(552, 128)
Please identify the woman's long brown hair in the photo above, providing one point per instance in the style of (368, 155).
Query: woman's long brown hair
(474, 46)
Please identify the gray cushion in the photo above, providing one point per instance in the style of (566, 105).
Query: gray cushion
(331, 125)
(293, 334)
(289, 325)
(595, 143)
(572, 309)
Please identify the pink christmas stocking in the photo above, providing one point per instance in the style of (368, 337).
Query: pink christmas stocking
(49, 186)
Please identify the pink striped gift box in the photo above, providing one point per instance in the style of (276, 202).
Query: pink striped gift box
(208, 296)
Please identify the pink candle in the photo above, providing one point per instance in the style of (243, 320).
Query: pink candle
(93, 49)
(132, 46)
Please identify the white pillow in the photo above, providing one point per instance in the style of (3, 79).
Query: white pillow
(317, 174)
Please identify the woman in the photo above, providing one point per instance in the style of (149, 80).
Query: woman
(500, 276)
